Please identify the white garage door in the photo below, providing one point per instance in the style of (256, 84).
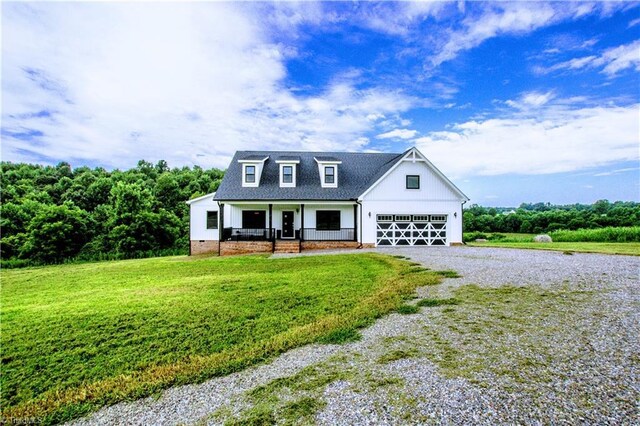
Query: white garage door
(411, 230)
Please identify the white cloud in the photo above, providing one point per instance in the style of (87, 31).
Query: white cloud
(560, 139)
(398, 134)
(531, 100)
(617, 171)
(188, 82)
(512, 18)
(611, 61)
(500, 19)
(399, 18)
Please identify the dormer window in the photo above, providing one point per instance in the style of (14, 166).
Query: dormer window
(287, 174)
(288, 165)
(329, 174)
(250, 174)
(328, 168)
(252, 166)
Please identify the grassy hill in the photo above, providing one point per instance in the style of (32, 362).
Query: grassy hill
(77, 337)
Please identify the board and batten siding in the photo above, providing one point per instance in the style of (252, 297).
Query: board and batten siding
(390, 196)
(198, 220)
(234, 218)
(346, 214)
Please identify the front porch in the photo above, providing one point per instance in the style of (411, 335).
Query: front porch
(288, 228)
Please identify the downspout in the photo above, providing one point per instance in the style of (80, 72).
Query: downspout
(360, 227)
(462, 221)
(189, 229)
(220, 224)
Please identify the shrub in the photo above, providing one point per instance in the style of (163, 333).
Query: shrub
(496, 237)
(472, 236)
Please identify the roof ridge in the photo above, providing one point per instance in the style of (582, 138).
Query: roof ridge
(322, 152)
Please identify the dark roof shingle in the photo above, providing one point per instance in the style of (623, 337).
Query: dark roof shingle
(357, 172)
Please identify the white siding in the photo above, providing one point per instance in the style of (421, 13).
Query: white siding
(393, 187)
(346, 214)
(198, 220)
(234, 218)
(390, 196)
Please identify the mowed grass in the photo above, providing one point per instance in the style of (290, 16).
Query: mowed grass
(568, 247)
(77, 337)
(604, 240)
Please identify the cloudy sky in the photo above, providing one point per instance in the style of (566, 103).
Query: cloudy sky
(515, 101)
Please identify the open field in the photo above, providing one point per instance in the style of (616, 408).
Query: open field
(605, 248)
(77, 337)
(605, 240)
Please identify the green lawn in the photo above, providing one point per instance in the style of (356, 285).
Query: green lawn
(77, 337)
(607, 248)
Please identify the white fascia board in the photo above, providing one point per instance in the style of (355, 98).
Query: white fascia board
(316, 202)
(195, 200)
(288, 161)
(327, 162)
(413, 154)
(254, 161)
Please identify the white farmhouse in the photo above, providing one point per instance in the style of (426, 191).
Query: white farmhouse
(272, 201)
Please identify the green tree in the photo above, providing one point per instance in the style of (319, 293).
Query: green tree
(56, 233)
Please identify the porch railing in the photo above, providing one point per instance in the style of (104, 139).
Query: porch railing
(342, 234)
(248, 234)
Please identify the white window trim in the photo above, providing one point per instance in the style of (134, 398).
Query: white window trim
(322, 165)
(259, 165)
(244, 175)
(406, 182)
(291, 184)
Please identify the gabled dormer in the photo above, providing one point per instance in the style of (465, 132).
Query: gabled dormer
(328, 169)
(252, 166)
(288, 172)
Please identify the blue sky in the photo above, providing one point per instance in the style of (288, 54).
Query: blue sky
(514, 101)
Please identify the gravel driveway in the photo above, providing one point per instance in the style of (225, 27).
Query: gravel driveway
(523, 337)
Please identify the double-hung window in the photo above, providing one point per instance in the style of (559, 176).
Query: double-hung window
(250, 174)
(287, 174)
(329, 174)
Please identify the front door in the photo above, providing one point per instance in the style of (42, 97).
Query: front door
(287, 225)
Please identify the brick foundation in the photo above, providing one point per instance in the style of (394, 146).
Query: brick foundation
(229, 248)
(456, 244)
(368, 245)
(322, 245)
(204, 246)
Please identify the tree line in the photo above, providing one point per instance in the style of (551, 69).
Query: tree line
(50, 214)
(545, 217)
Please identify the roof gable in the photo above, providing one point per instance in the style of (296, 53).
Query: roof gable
(414, 155)
(201, 198)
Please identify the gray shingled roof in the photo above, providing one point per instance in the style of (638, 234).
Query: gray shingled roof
(357, 172)
(326, 158)
(253, 157)
(288, 158)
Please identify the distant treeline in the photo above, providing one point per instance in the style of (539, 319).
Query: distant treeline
(545, 217)
(50, 214)
(53, 214)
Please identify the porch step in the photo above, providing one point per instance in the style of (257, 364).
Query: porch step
(287, 246)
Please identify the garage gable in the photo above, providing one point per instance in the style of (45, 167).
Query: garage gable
(415, 178)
